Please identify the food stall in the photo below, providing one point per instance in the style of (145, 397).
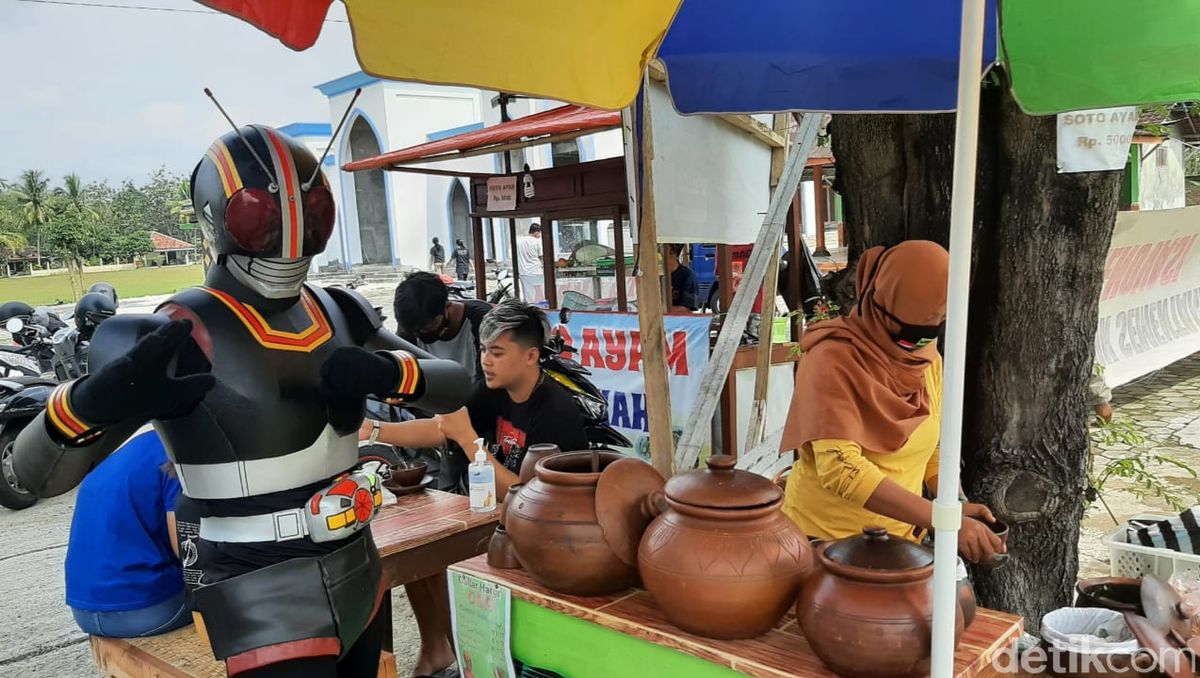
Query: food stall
(913, 56)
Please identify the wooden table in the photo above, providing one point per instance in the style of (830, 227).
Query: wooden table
(626, 634)
(418, 537)
(424, 533)
(421, 535)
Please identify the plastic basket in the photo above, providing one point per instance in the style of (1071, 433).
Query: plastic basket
(1135, 560)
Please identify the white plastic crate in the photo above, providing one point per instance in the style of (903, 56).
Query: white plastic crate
(1135, 560)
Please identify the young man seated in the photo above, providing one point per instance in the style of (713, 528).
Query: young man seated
(447, 328)
(516, 405)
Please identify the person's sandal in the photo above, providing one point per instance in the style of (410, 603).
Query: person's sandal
(448, 672)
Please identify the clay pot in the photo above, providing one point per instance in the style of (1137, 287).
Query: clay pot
(554, 530)
(1122, 594)
(407, 475)
(500, 553)
(722, 560)
(867, 610)
(533, 455)
(966, 601)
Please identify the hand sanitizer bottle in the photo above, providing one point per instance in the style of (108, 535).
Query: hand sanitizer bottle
(481, 478)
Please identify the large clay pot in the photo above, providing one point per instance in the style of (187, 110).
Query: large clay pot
(867, 610)
(552, 525)
(722, 560)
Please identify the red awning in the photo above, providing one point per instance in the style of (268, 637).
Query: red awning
(558, 123)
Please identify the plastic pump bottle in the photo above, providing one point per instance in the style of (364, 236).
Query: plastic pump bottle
(481, 478)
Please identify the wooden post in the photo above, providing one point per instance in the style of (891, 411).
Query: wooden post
(667, 296)
(518, 288)
(729, 392)
(822, 210)
(650, 311)
(480, 268)
(549, 284)
(766, 327)
(721, 360)
(619, 245)
(796, 248)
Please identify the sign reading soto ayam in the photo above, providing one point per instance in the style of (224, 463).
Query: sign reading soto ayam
(501, 194)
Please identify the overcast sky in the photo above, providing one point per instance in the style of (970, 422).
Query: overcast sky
(116, 93)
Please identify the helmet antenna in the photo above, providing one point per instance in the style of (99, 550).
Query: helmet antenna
(274, 187)
(349, 107)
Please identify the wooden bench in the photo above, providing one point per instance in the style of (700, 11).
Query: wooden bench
(179, 654)
(419, 536)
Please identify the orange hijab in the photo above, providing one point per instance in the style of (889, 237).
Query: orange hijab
(854, 381)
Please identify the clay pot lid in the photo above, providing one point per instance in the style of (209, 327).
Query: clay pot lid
(1164, 607)
(1159, 645)
(875, 549)
(721, 486)
(621, 495)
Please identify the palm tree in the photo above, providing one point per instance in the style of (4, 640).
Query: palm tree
(33, 194)
(73, 191)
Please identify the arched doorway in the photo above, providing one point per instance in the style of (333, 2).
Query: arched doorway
(370, 196)
(460, 221)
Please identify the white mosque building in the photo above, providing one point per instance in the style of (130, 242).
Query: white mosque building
(390, 218)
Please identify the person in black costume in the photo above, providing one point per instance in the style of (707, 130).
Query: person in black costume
(256, 382)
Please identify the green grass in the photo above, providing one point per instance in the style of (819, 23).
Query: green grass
(139, 282)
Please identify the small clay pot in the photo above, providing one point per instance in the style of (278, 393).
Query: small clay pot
(553, 527)
(867, 610)
(722, 560)
(533, 455)
(500, 553)
(407, 475)
(966, 601)
(1123, 594)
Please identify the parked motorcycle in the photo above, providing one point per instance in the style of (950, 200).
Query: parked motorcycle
(503, 291)
(558, 365)
(29, 371)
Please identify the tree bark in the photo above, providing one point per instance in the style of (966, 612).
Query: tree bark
(1041, 239)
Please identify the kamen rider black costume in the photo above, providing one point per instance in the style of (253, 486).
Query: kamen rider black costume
(256, 383)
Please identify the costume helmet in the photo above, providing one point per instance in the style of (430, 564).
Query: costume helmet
(92, 309)
(260, 215)
(107, 290)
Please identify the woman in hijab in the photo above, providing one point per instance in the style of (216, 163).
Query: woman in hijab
(868, 405)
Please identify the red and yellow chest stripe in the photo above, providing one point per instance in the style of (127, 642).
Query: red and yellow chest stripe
(307, 340)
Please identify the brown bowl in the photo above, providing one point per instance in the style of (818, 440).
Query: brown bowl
(407, 475)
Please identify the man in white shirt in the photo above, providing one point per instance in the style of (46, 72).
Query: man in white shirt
(529, 265)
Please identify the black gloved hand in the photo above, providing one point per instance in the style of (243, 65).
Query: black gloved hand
(136, 386)
(353, 372)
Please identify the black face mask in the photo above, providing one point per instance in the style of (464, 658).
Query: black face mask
(912, 337)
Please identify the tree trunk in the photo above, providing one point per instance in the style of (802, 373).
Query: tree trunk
(1041, 239)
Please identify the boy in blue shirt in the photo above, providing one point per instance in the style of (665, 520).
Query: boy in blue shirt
(124, 578)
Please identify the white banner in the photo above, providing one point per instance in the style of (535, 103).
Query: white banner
(1150, 303)
(1094, 141)
(610, 346)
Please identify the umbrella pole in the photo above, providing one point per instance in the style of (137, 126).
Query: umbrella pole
(947, 511)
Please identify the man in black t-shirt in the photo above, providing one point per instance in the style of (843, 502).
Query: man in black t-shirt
(516, 405)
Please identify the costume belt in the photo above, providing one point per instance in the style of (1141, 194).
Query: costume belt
(342, 508)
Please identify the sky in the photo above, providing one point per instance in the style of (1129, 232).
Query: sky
(114, 94)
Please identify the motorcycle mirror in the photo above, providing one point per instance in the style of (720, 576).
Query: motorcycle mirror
(564, 316)
(502, 275)
(14, 325)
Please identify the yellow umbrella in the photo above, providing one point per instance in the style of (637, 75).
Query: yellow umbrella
(591, 53)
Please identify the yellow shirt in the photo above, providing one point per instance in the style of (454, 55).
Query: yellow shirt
(834, 478)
